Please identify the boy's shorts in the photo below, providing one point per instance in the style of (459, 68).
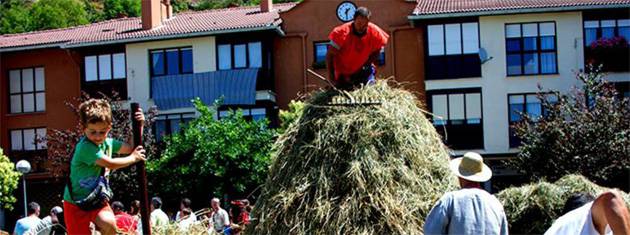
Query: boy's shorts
(77, 220)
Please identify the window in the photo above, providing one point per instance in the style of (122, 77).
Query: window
(171, 61)
(248, 114)
(528, 104)
(241, 55)
(453, 45)
(531, 48)
(459, 113)
(596, 29)
(27, 90)
(320, 50)
(28, 139)
(105, 67)
(167, 124)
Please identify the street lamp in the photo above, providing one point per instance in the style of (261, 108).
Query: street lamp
(24, 167)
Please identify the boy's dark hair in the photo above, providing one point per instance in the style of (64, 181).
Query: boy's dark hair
(186, 202)
(577, 200)
(362, 11)
(95, 111)
(117, 205)
(157, 202)
(32, 207)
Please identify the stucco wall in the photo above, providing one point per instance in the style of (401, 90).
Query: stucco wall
(495, 83)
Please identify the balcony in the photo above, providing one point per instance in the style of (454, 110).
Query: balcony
(235, 87)
(613, 54)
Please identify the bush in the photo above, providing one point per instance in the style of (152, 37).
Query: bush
(586, 132)
(227, 156)
(9, 179)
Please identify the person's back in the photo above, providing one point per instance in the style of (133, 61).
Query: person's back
(467, 211)
(158, 218)
(25, 224)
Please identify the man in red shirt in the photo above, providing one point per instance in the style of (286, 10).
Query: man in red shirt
(354, 47)
(125, 223)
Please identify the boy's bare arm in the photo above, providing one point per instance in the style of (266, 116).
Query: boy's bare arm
(121, 162)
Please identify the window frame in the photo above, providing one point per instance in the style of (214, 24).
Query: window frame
(598, 32)
(473, 70)
(98, 75)
(35, 92)
(465, 124)
(543, 112)
(168, 122)
(24, 141)
(248, 63)
(165, 60)
(538, 50)
(319, 64)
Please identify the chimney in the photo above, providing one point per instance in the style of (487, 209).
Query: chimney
(266, 5)
(167, 10)
(151, 14)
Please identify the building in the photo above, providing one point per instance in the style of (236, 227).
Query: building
(484, 61)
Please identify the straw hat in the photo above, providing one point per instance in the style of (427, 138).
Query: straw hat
(471, 167)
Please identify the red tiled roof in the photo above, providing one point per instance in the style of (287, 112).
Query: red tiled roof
(440, 7)
(130, 29)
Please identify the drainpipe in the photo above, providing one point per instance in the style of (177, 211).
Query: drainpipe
(302, 35)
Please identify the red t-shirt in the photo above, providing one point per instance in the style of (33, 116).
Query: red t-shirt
(354, 51)
(126, 223)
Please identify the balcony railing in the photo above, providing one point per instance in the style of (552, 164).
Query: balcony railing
(235, 87)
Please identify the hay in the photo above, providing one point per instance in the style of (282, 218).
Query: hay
(531, 209)
(355, 169)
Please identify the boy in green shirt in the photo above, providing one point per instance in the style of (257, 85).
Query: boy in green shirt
(92, 154)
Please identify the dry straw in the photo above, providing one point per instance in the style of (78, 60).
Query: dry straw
(531, 209)
(363, 169)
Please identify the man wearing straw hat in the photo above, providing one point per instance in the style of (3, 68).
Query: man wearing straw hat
(469, 210)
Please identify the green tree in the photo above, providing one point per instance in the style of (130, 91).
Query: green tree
(121, 8)
(229, 156)
(53, 14)
(14, 17)
(586, 131)
(291, 115)
(9, 179)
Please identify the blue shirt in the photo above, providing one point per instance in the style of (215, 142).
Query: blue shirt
(24, 224)
(467, 211)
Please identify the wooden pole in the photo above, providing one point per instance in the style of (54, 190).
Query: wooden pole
(142, 174)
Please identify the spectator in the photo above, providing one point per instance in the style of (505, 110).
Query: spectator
(125, 223)
(158, 217)
(220, 218)
(134, 211)
(186, 220)
(608, 214)
(185, 204)
(469, 210)
(29, 222)
(45, 226)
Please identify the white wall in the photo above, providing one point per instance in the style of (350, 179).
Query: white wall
(495, 84)
(138, 83)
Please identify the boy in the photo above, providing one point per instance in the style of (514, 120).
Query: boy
(92, 154)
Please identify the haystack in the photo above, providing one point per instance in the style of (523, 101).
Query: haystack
(362, 169)
(531, 209)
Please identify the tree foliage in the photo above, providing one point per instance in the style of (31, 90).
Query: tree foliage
(53, 14)
(587, 131)
(229, 156)
(121, 8)
(9, 179)
(123, 181)
(289, 116)
(14, 17)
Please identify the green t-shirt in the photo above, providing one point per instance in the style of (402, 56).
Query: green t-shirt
(84, 172)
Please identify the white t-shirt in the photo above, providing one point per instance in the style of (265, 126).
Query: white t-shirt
(25, 224)
(220, 219)
(576, 222)
(191, 216)
(158, 218)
